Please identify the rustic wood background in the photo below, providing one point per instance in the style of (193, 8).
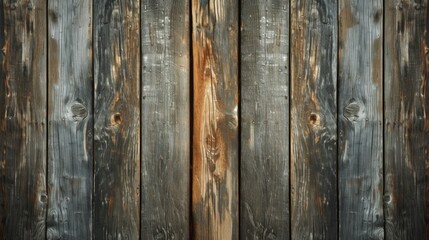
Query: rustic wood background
(214, 119)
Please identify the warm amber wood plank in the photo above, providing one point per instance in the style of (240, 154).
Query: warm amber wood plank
(23, 109)
(215, 135)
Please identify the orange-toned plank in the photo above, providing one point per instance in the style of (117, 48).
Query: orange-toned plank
(215, 135)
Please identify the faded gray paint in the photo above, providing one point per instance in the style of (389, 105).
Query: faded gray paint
(166, 119)
(264, 193)
(70, 116)
(360, 119)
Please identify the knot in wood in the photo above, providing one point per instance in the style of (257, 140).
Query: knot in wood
(116, 119)
(353, 111)
(78, 111)
(314, 119)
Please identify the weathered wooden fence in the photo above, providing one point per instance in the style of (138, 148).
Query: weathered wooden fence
(214, 119)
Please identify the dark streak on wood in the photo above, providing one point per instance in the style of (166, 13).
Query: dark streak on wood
(23, 119)
(264, 194)
(360, 160)
(406, 127)
(165, 119)
(215, 135)
(117, 119)
(70, 175)
(314, 119)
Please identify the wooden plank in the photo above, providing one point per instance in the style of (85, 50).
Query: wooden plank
(360, 108)
(215, 130)
(117, 119)
(314, 32)
(406, 120)
(264, 188)
(23, 198)
(165, 119)
(70, 131)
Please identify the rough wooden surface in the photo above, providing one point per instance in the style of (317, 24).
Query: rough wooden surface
(70, 131)
(117, 119)
(360, 163)
(264, 192)
(165, 119)
(215, 131)
(406, 120)
(23, 119)
(314, 31)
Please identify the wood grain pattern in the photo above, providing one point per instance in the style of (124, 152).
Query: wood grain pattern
(165, 119)
(70, 130)
(406, 120)
(215, 130)
(314, 29)
(117, 119)
(264, 188)
(360, 120)
(23, 109)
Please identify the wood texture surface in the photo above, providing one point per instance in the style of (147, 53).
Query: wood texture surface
(406, 120)
(70, 131)
(165, 119)
(215, 132)
(306, 119)
(264, 192)
(360, 162)
(117, 119)
(314, 31)
(23, 110)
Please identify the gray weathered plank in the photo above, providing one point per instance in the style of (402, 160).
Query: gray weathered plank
(165, 119)
(23, 119)
(70, 129)
(117, 119)
(360, 163)
(406, 120)
(264, 188)
(314, 31)
(215, 131)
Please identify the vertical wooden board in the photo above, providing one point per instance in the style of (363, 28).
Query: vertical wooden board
(70, 130)
(264, 177)
(360, 120)
(117, 119)
(215, 130)
(165, 119)
(314, 31)
(406, 120)
(23, 119)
